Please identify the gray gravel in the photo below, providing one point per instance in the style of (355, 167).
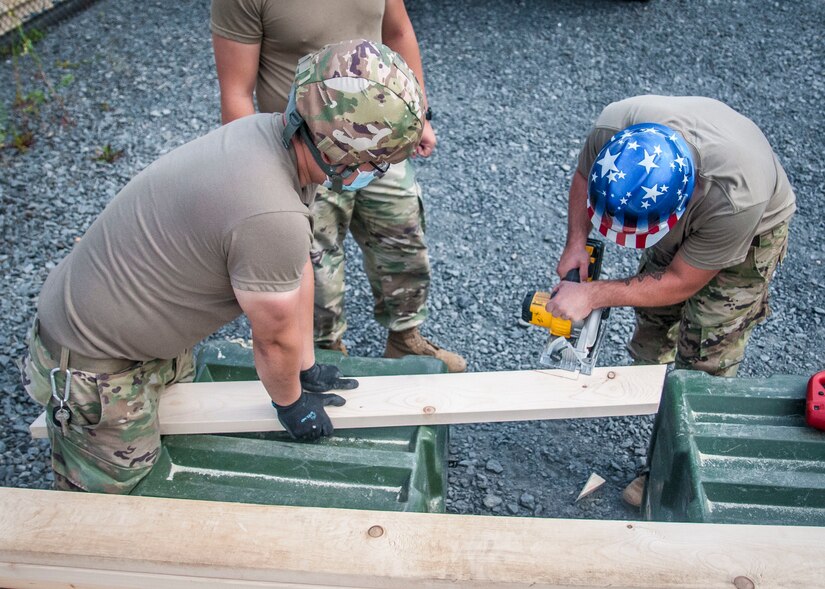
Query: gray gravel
(514, 86)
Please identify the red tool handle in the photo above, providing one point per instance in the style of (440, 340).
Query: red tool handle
(815, 405)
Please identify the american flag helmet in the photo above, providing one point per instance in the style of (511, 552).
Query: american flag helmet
(640, 184)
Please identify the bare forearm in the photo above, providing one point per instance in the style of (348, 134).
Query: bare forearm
(277, 338)
(307, 316)
(650, 289)
(398, 34)
(678, 282)
(278, 363)
(578, 221)
(235, 107)
(237, 68)
(574, 256)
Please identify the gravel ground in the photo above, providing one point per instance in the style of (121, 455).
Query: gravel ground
(515, 86)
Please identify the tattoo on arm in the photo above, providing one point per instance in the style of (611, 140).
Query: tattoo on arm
(657, 275)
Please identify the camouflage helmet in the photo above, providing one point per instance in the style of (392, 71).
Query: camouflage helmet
(360, 103)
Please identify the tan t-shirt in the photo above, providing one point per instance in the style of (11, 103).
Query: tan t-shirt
(289, 29)
(741, 189)
(154, 273)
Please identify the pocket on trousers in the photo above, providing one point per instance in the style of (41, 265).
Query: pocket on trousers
(85, 400)
(184, 368)
(37, 382)
(755, 268)
(126, 396)
(765, 259)
(422, 219)
(720, 340)
(768, 253)
(35, 371)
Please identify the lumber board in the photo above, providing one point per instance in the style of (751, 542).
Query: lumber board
(430, 399)
(58, 539)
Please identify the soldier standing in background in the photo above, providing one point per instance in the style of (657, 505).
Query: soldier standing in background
(257, 44)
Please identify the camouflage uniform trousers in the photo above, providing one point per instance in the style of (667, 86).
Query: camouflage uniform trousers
(113, 437)
(386, 219)
(710, 330)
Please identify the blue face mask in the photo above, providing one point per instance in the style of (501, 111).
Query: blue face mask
(361, 181)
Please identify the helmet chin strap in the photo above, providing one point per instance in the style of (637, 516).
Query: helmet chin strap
(336, 178)
(337, 183)
(293, 119)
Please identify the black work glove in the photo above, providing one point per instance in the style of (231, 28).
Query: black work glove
(306, 418)
(325, 377)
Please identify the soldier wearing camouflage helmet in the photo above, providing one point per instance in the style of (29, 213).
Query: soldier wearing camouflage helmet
(695, 185)
(257, 45)
(218, 227)
(364, 106)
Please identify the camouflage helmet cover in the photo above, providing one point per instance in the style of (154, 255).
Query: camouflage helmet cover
(360, 102)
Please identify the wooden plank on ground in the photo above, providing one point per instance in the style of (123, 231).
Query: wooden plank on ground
(430, 399)
(57, 539)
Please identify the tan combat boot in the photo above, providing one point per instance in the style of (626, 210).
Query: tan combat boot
(410, 342)
(337, 346)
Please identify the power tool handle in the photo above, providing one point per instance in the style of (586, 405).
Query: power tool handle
(573, 275)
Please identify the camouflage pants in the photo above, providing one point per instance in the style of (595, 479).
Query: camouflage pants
(387, 221)
(710, 330)
(113, 438)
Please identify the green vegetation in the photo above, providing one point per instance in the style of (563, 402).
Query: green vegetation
(23, 119)
(25, 41)
(108, 154)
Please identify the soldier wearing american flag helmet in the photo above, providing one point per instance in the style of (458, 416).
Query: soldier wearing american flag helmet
(698, 188)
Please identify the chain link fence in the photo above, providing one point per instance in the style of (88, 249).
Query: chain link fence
(13, 13)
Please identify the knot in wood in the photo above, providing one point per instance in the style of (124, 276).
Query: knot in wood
(742, 582)
(429, 410)
(611, 375)
(375, 531)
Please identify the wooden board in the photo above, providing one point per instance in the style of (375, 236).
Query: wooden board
(57, 539)
(593, 483)
(431, 399)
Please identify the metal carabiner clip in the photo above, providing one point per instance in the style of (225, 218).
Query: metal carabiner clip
(66, 388)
